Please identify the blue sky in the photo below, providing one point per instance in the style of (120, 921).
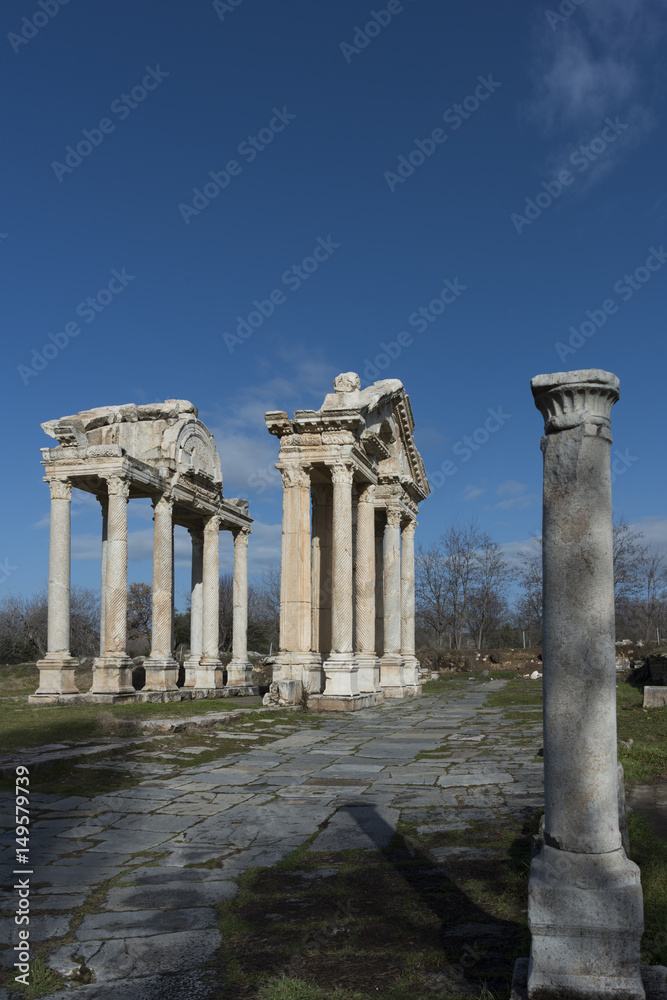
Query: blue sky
(508, 156)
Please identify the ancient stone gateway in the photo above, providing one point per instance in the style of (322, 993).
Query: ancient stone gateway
(161, 451)
(352, 483)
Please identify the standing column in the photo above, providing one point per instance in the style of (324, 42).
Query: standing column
(298, 663)
(161, 667)
(367, 661)
(584, 896)
(408, 606)
(104, 503)
(56, 670)
(341, 667)
(192, 662)
(379, 588)
(321, 568)
(112, 670)
(393, 664)
(239, 671)
(209, 674)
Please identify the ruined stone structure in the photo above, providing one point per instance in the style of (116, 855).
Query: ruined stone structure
(584, 897)
(352, 483)
(161, 451)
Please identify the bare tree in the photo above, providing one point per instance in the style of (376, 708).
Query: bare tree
(487, 605)
(529, 602)
(460, 548)
(139, 611)
(431, 592)
(226, 611)
(24, 625)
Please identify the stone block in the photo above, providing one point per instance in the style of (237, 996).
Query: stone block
(655, 697)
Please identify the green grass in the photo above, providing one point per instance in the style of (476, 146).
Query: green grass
(41, 980)
(23, 726)
(650, 853)
(645, 759)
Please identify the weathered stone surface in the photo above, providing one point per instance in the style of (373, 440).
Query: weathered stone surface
(655, 696)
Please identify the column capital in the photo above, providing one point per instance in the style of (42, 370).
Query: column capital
(61, 488)
(294, 475)
(212, 523)
(342, 474)
(165, 501)
(569, 399)
(242, 535)
(118, 486)
(394, 517)
(409, 528)
(367, 493)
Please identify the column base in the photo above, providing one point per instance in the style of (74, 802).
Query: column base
(305, 668)
(208, 674)
(112, 674)
(342, 676)
(161, 674)
(393, 677)
(411, 673)
(239, 676)
(368, 677)
(341, 703)
(56, 676)
(191, 665)
(585, 915)
(654, 981)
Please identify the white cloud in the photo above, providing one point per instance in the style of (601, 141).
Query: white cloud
(515, 503)
(510, 488)
(472, 492)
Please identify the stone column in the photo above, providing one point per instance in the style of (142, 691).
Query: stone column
(161, 667)
(192, 662)
(300, 667)
(239, 671)
(393, 664)
(584, 896)
(56, 670)
(367, 661)
(341, 668)
(379, 588)
(104, 503)
(209, 673)
(112, 670)
(321, 568)
(408, 606)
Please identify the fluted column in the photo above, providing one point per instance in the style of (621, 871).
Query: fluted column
(408, 605)
(584, 896)
(161, 667)
(209, 674)
(299, 665)
(341, 668)
(56, 670)
(393, 664)
(112, 670)
(239, 671)
(192, 662)
(104, 503)
(367, 661)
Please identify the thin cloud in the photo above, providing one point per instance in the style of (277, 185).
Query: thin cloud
(510, 488)
(472, 492)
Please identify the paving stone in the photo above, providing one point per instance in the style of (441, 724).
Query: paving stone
(134, 957)
(358, 827)
(201, 985)
(463, 780)
(158, 822)
(144, 923)
(164, 895)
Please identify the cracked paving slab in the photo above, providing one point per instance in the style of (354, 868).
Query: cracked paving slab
(347, 781)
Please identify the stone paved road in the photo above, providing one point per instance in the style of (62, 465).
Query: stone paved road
(351, 779)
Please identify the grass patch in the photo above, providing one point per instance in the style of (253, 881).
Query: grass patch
(645, 758)
(516, 693)
(650, 853)
(41, 980)
(353, 925)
